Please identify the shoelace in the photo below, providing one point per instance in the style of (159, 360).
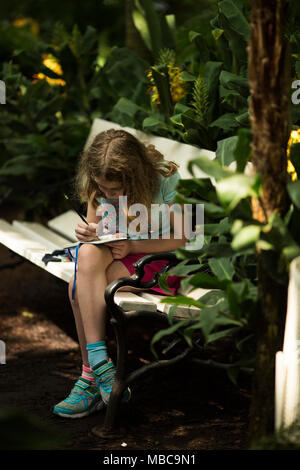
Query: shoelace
(75, 392)
(73, 395)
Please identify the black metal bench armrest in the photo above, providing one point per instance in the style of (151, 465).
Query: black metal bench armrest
(135, 280)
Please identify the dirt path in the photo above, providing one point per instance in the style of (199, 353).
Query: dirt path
(186, 408)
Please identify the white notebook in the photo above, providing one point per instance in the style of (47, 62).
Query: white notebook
(103, 239)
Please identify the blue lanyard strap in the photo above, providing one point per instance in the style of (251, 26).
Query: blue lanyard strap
(75, 273)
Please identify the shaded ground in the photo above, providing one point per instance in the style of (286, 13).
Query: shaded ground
(183, 408)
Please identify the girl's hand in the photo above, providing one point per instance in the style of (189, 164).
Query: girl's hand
(86, 233)
(120, 249)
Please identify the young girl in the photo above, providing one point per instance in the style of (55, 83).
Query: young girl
(116, 164)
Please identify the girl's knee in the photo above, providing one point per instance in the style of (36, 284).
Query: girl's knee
(93, 258)
(116, 270)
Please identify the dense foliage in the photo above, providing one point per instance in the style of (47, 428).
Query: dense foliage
(190, 85)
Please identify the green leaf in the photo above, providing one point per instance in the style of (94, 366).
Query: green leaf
(182, 300)
(235, 82)
(18, 166)
(236, 18)
(124, 74)
(236, 293)
(232, 189)
(125, 111)
(201, 43)
(246, 237)
(212, 210)
(219, 334)
(225, 150)
(293, 189)
(154, 27)
(243, 118)
(226, 122)
(162, 281)
(222, 268)
(168, 31)
(232, 373)
(181, 108)
(212, 297)
(211, 75)
(277, 233)
(175, 119)
(166, 332)
(222, 320)
(218, 250)
(209, 167)
(242, 150)
(182, 270)
(207, 282)
(161, 78)
(291, 252)
(188, 77)
(207, 321)
(221, 228)
(233, 98)
(152, 121)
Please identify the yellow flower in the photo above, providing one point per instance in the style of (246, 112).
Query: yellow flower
(177, 84)
(22, 21)
(51, 63)
(294, 139)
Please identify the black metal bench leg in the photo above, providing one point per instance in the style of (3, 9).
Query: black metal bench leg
(111, 415)
(119, 385)
(109, 428)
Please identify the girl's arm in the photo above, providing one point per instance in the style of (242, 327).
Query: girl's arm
(91, 212)
(155, 246)
(84, 232)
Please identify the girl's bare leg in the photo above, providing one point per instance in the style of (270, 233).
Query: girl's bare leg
(78, 323)
(114, 270)
(91, 284)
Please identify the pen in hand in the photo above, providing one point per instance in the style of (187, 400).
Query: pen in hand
(74, 208)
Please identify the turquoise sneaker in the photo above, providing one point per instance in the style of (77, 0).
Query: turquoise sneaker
(83, 400)
(104, 374)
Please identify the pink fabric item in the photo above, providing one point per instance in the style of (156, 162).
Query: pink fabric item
(150, 269)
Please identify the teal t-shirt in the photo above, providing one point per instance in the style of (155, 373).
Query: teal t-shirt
(166, 191)
(158, 222)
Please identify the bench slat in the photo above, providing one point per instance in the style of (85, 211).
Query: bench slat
(64, 224)
(32, 250)
(182, 311)
(42, 234)
(194, 294)
(130, 301)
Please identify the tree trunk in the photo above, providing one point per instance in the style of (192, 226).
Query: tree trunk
(269, 78)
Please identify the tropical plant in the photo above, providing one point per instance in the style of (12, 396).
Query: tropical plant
(210, 75)
(227, 263)
(54, 91)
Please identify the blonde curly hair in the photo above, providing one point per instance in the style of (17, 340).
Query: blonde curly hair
(116, 155)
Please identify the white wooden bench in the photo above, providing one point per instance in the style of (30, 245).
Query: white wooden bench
(287, 382)
(32, 240)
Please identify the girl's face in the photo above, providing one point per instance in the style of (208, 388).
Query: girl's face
(111, 189)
